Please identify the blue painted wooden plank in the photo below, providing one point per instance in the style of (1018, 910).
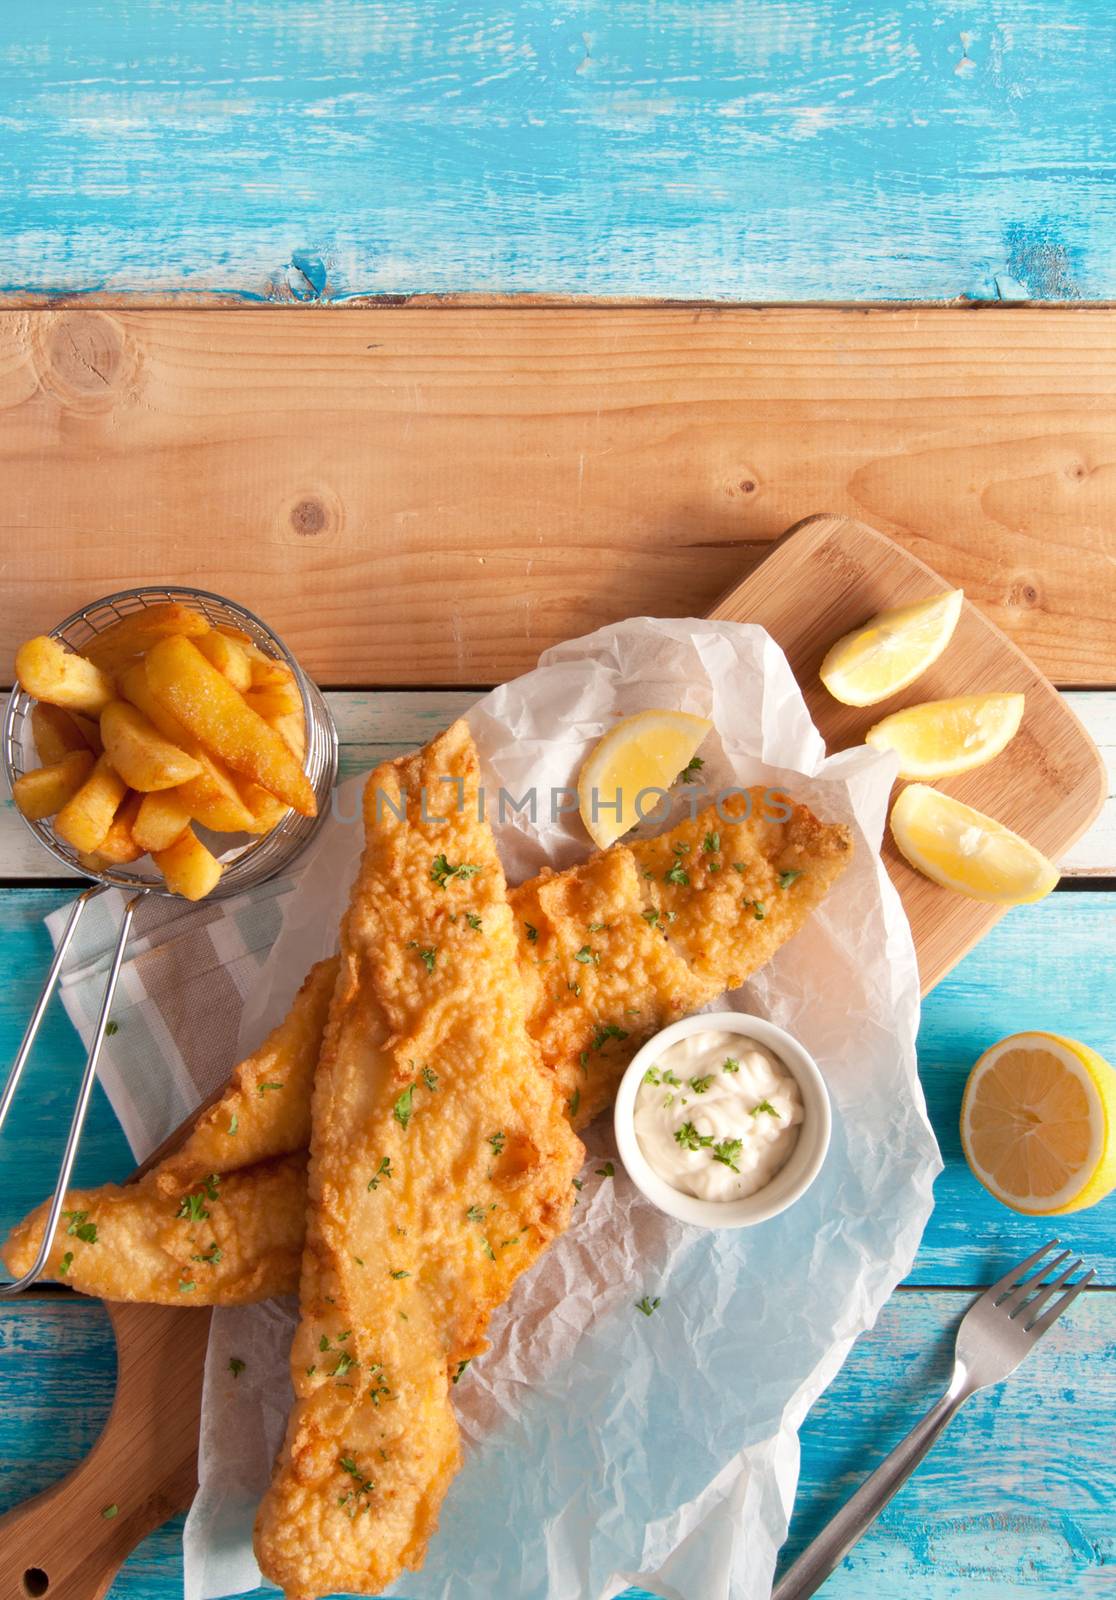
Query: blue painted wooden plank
(1044, 966)
(758, 149)
(1002, 1508)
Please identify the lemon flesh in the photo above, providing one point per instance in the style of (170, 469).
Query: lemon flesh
(941, 738)
(891, 651)
(967, 851)
(645, 753)
(1038, 1123)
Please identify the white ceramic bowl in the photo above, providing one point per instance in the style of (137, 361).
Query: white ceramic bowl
(791, 1181)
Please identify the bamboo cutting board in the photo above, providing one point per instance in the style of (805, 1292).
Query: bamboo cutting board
(822, 578)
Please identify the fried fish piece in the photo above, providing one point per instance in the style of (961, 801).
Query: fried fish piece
(608, 952)
(225, 1240)
(441, 1165)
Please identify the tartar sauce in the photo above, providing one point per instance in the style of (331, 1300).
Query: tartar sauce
(717, 1115)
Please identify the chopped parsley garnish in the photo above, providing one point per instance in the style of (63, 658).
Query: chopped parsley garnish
(787, 878)
(442, 871)
(727, 1151)
(607, 1171)
(647, 1305)
(211, 1257)
(596, 927)
(587, 956)
(731, 1064)
(474, 921)
(766, 1106)
(400, 1272)
(652, 1075)
(488, 1250)
(476, 1214)
(430, 1078)
(363, 1487)
(532, 938)
(651, 916)
(108, 1512)
(759, 910)
(345, 1364)
(187, 1287)
(234, 1124)
(236, 1366)
(428, 953)
(573, 1103)
(323, 1342)
(699, 1085)
(497, 1141)
(111, 1028)
(403, 1107)
(193, 1208)
(740, 866)
(711, 843)
(66, 1263)
(359, 1260)
(668, 1077)
(677, 874)
(690, 1139)
(461, 1365)
(382, 1171)
(607, 1030)
(379, 1390)
(690, 770)
(262, 1088)
(80, 1227)
(578, 1183)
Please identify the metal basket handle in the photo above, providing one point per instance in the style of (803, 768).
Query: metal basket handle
(85, 1088)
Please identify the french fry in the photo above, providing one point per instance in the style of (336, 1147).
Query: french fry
(162, 818)
(291, 728)
(45, 790)
(276, 700)
(119, 845)
(55, 732)
(90, 728)
(211, 798)
(189, 868)
(228, 657)
(50, 672)
(135, 633)
(265, 808)
(194, 691)
(87, 816)
(139, 752)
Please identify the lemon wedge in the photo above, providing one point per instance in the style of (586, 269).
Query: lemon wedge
(1038, 1123)
(940, 738)
(891, 650)
(965, 850)
(643, 753)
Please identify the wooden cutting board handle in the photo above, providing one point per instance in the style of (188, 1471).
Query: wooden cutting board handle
(60, 1544)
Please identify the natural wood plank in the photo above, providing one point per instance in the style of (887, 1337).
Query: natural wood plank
(797, 149)
(373, 725)
(1049, 784)
(996, 1511)
(435, 495)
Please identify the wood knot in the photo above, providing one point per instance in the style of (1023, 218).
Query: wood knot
(82, 359)
(747, 486)
(308, 517)
(1024, 594)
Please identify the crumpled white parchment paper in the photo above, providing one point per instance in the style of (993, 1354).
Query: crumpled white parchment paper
(604, 1447)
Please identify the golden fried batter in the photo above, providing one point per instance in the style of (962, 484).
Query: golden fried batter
(440, 1166)
(607, 952)
(225, 1240)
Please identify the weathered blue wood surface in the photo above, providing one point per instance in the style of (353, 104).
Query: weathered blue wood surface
(757, 149)
(991, 1513)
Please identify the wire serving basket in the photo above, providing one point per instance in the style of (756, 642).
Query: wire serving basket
(246, 860)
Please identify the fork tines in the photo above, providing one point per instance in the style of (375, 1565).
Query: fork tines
(1014, 1293)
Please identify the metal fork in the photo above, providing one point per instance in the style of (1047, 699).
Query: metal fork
(995, 1334)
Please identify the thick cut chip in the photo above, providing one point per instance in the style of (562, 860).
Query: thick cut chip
(119, 845)
(45, 790)
(135, 633)
(143, 757)
(56, 734)
(50, 672)
(228, 657)
(86, 818)
(162, 818)
(440, 1167)
(203, 700)
(189, 868)
(212, 797)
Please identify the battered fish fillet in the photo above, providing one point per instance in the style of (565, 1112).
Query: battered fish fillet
(608, 952)
(142, 1240)
(440, 1167)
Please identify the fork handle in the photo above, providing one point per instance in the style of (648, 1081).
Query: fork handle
(839, 1535)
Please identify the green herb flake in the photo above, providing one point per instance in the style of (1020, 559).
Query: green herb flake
(461, 1365)
(731, 1064)
(650, 916)
(647, 1305)
(607, 1171)
(399, 1272)
(111, 1028)
(690, 1139)
(677, 874)
(66, 1263)
(578, 1184)
(264, 1088)
(382, 1171)
(497, 1141)
(108, 1512)
(759, 910)
(476, 1214)
(474, 921)
(690, 771)
(652, 1075)
(532, 937)
(80, 1227)
(441, 871)
(767, 1108)
(488, 1250)
(187, 1287)
(573, 1104)
(403, 1107)
(323, 1342)
(236, 1366)
(740, 866)
(345, 1364)
(211, 1257)
(700, 1085)
(711, 843)
(234, 1124)
(727, 1151)
(430, 1078)
(428, 953)
(193, 1208)
(587, 956)
(787, 878)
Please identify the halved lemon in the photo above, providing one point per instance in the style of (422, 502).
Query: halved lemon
(890, 651)
(644, 753)
(965, 850)
(940, 738)
(1038, 1123)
